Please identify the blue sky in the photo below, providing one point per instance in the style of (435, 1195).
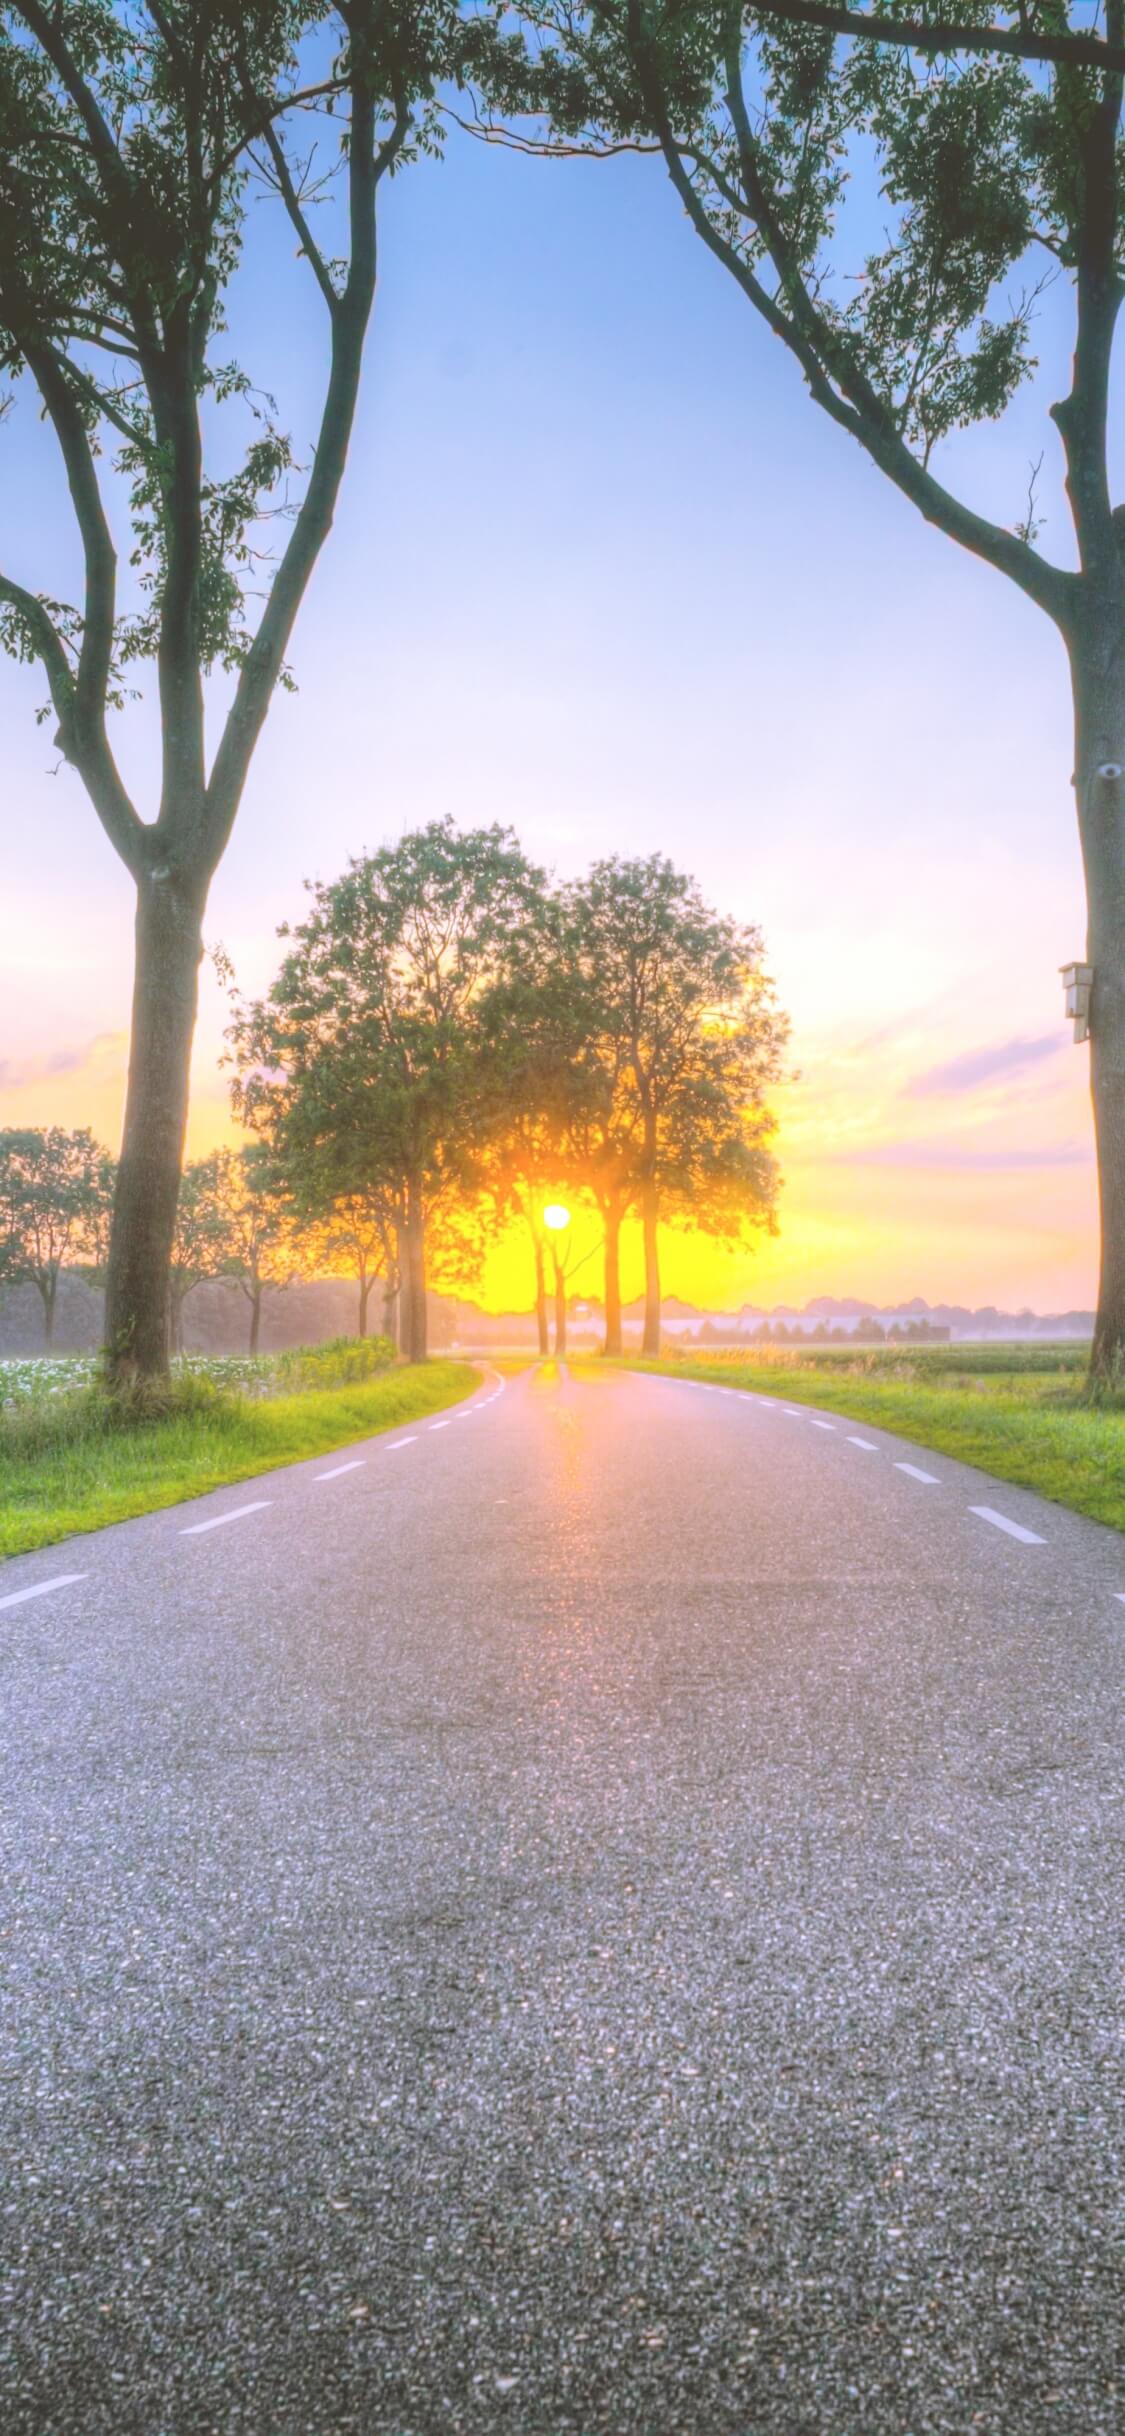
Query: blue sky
(603, 571)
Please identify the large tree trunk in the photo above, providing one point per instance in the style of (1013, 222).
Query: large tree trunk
(48, 1290)
(612, 1282)
(649, 1209)
(1098, 665)
(541, 1299)
(256, 1293)
(365, 1285)
(415, 1344)
(392, 1307)
(165, 994)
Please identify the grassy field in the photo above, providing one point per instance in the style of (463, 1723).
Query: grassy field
(70, 1462)
(1018, 1411)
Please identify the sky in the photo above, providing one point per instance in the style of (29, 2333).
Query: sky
(604, 572)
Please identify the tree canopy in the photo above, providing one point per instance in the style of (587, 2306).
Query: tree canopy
(364, 1065)
(450, 1037)
(55, 1191)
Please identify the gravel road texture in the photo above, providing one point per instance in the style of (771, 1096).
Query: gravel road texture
(610, 1925)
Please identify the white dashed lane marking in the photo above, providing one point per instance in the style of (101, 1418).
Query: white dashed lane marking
(393, 1449)
(930, 1478)
(340, 1468)
(1000, 1522)
(38, 1590)
(217, 1520)
(824, 1425)
(868, 1445)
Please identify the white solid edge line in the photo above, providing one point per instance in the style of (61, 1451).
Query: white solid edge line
(357, 1466)
(1015, 1530)
(868, 1445)
(930, 1478)
(38, 1590)
(397, 1442)
(217, 1520)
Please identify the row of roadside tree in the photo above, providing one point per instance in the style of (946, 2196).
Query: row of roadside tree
(56, 1207)
(451, 1042)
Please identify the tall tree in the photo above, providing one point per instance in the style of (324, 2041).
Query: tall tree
(55, 1188)
(691, 1026)
(996, 146)
(203, 1244)
(133, 139)
(543, 1079)
(370, 1051)
(359, 1228)
(265, 1251)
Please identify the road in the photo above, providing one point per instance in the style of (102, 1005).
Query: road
(601, 1913)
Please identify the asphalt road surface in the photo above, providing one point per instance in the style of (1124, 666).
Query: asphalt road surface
(596, 1916)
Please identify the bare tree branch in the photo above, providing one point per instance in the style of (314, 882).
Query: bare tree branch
(82, 717)
(292, 201)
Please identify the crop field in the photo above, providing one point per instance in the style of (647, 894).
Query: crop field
(38, 1378)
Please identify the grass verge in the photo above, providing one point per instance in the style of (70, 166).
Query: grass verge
(1016, 1411)
(76, 1465)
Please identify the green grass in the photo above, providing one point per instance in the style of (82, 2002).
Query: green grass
(71, 1461)
(1017, 1411)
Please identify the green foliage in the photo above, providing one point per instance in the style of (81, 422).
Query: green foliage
(340, 1362)
(686, 1038)
(365, 1067)
(56, 1194)
(203, 1245)
(133, 141)
(448, 1030)
(988, 168)
(260, 1246)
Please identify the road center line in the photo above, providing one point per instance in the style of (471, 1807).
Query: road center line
(930, 1478)
(357, 1466)
(38, 1590)
(217, 1520)
(1000, 1522)
(868, 1445)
